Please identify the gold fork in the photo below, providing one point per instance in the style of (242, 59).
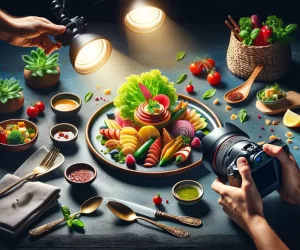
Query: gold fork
(44, 166)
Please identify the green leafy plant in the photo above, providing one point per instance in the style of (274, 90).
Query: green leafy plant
(152, 105)
(40, 63)
(9, 89)
(130, 95)
(71, 220)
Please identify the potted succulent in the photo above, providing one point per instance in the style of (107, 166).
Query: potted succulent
(11, 97)
(41, 70)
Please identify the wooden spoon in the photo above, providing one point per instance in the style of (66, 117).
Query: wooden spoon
(245, 87)
(127, 214)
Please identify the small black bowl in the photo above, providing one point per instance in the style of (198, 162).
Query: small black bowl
(63, 127)
(65, 95)
(80, 166)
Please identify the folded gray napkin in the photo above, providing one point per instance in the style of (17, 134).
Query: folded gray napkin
(24, 204)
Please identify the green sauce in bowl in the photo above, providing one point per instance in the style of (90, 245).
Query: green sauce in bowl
(188, 193)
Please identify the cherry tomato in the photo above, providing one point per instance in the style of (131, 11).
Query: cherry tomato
(157, 200)
(32, 112)
(40, 106)
(189, 88)
(3, 137)
(196, 68)
(214, 78)
(210, 63)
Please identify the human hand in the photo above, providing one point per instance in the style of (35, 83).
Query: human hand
(243, 205)
(33, 31)
(290, 188)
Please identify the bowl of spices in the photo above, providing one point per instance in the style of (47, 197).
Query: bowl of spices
(188, 192)
(65, 104)
(80, 173)
(63, 134)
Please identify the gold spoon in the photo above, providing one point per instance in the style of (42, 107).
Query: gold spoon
(89, 206)
(245, 87)
(125, 213)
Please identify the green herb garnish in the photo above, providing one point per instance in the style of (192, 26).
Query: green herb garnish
(71, 221)
(242, 115)
(152, 105)
(88, 97)
(209, 93)
(40, 63)
(271, 93)
(180, 55)
(186, 140)
(181, 78)
(9, 89)
(120, 157)
(99, 138)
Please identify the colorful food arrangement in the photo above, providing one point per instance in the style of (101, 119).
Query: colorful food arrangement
(257, 33)
(11, 97)
(14, 134)
(271, 93)
(154, 129)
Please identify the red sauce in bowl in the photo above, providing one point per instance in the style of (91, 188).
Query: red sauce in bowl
(80, 174)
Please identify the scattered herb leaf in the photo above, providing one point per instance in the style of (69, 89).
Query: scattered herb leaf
(180, 55)
(242, 115)
(88, 97)
(152, 105)
(209, 93)
(181, 78)
(99, 138)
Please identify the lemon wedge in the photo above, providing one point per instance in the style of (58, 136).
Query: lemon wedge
(148, 132)
(291, 119)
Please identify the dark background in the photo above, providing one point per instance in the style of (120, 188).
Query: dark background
(194, 11)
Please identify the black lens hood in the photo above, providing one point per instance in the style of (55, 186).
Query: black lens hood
(208, 142)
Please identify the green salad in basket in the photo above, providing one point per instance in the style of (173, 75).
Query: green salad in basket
(271, 93)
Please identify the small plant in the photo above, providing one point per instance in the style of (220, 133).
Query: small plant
(40, 63)
(9, 89)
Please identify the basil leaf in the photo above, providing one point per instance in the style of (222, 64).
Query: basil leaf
(254, 33)
(69, 222)
(99, 138)
(180, 55)
(181, 78)
(209, 93)
(65, 211)
(88, 97)
(242, 115)
(78, 223)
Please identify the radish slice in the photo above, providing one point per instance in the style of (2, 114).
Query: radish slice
(183, 127)
(145, 91)
(118, 118)
(163, 100)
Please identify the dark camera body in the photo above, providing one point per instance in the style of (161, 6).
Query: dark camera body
(223, 146)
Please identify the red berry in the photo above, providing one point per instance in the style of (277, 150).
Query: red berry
(167, 201)
(196, 143)
(97, 99)
(259, 117)
(157, 200)
(130, 161)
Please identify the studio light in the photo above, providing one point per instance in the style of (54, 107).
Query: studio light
(88, 52)
(145, 19)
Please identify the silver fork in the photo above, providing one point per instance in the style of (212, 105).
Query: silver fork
(44, 166)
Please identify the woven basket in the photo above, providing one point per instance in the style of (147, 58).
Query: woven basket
(242, 59)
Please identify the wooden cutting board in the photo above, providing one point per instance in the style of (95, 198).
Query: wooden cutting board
(292, 101)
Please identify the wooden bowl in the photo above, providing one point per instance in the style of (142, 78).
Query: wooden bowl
(188, 183)
(19, 147)
(37, 82)
(63, 127)
(12, 104)
(78, 166)
(65, 95)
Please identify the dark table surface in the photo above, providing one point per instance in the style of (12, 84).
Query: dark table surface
(134, 53)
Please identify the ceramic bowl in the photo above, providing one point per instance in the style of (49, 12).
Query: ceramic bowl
(19, 147)
(188, 183)
(271, 103)
(80, 166)
(63, 127)
(65, 95)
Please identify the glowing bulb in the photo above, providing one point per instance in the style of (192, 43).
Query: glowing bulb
(145, 19)
(92, 56)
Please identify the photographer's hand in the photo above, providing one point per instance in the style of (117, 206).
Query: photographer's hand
(290, 188)
(29, 31)
(244, 206)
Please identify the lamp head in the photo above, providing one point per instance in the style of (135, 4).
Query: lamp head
(88, 52)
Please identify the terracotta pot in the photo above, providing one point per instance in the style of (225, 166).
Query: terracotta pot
(37, 82)
(12, 105)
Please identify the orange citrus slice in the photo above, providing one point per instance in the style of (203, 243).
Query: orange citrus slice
(291, 119)
(148, 132)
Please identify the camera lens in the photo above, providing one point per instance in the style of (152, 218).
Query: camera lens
(222, 145)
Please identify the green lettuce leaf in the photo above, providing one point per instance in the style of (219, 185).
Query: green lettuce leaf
(130, 96)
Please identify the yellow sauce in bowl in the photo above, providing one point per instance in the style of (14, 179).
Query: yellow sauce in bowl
(65, 105)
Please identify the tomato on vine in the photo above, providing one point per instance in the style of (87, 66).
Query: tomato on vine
(210, 63)
(214, 77)
(196, 67)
